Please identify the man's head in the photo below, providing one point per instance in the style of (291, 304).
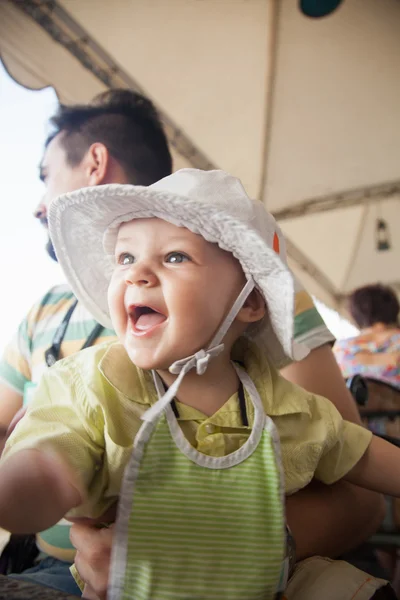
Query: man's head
(118, 138)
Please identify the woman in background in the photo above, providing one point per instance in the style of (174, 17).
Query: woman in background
(375, 352)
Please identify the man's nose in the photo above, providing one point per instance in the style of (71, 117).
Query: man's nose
(40, 211)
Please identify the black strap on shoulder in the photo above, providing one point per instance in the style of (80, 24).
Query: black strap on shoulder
(52, 354)
(93, 336)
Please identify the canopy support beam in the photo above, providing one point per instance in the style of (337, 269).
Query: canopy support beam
(354, 197)
(64, 30)
(274, 8)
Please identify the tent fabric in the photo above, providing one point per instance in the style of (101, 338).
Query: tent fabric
(305, 111)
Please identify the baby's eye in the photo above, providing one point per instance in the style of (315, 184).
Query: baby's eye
(126, 259)
(176, 258)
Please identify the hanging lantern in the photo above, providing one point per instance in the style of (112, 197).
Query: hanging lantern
(382, 236)
(318, 8)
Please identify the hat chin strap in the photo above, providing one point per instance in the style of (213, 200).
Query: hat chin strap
(199, 360)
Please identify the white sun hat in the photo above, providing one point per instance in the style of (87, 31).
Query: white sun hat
(84, 226)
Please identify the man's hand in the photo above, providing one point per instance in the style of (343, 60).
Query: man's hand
(92, 560)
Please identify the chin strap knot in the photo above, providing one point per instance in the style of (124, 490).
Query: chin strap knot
(199, 360)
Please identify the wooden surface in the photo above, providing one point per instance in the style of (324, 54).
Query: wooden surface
(13, 589)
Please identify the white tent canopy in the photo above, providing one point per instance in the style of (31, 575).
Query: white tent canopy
(305, 111)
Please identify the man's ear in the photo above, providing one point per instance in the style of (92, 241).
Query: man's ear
(254, 308)
(97, 162)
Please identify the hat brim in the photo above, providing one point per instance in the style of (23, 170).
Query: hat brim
(79, 220)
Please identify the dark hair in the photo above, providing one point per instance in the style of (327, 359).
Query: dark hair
(127, 124)
(374, 304)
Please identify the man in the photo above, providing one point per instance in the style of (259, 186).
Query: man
(118, 139)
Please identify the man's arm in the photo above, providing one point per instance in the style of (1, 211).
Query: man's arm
(319, 374)
(16, 363)
(378, 468)
(330, 520)
(10, 404)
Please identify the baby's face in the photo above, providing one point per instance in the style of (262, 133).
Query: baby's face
(169, 292)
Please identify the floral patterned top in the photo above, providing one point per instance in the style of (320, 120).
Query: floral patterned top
(374, 354)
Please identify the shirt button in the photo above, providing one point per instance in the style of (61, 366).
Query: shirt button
(210, 428)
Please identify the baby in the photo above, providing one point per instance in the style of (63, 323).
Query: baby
(185, 420)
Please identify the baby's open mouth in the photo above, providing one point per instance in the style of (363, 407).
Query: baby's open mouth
(145, 317)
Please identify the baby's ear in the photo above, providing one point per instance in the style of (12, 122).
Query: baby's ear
(254, 308)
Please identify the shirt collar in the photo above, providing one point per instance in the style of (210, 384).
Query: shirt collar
(130, 381)
(278, 396)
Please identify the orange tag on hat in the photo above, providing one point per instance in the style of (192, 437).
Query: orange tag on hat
(275, 243)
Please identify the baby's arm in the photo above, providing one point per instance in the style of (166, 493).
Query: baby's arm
(378, 469)
(52, 457)
(352, 453)
(37, 489)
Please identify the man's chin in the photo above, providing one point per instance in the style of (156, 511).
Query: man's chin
(50, 250)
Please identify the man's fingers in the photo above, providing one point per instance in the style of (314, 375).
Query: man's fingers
(85, 573)
(93, 545)
(106, 518)
(92, 559)
(82, 533)
(89, 593)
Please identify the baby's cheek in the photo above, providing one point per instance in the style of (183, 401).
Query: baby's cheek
(117, 309)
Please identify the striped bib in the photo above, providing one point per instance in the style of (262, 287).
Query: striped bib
(192, 526)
